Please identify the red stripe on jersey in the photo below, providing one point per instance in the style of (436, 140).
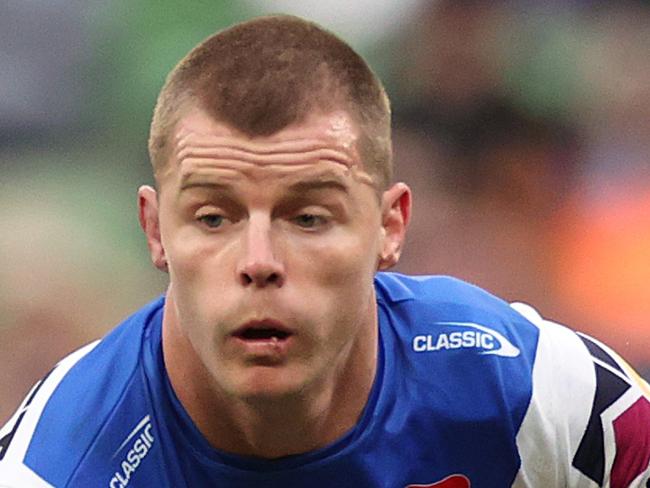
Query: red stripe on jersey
(632, 433)
(453, 481)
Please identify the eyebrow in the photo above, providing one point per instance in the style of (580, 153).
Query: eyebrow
(297, 187)
(318, 184)
(213, 185)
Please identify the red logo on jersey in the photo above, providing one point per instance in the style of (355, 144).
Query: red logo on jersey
(453, 481)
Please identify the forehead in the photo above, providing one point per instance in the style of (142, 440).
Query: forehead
(323, 144)
(336, 128)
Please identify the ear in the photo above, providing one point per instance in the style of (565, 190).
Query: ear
(150, 223)
(395, 216)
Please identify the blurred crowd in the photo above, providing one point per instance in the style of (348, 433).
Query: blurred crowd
(523, 128)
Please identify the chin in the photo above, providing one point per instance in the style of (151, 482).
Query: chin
(267, 384)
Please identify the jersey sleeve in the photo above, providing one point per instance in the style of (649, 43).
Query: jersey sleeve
(13, 473)
(18, 434)
(588, 421)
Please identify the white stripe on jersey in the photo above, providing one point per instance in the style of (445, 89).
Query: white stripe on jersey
(20, 476)
(13, 472)
(14, 418)
(563, 389)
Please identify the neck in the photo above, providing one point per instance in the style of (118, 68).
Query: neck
(272, 427)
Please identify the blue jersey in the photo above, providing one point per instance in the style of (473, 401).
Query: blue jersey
(470, 391)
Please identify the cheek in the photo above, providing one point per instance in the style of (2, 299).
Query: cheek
(341, 264)
(198, 267)
(336, 287)
(197, 274)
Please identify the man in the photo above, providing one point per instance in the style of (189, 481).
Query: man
(279, 357)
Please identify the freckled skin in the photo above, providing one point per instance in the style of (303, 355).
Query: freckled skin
(286, 227)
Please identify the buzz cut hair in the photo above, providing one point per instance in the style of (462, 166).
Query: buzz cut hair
(262, 75)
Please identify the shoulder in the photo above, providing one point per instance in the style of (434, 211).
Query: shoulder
(444, 296)
(397, 287)
(61, 417)
(442, 309)
(589, 415)
(585, 413)
(458, 342)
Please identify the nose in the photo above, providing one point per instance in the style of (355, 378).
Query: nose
(258, 265)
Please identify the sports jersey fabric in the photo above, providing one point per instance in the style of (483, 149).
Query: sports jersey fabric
(470, 391)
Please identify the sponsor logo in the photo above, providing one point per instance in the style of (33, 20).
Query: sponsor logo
(453, 481)
(139, 442)
(475, 336)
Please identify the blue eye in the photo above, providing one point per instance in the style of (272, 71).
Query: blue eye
(308, 221)
(213, 220)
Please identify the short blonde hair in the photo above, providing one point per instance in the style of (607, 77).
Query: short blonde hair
(262, 75)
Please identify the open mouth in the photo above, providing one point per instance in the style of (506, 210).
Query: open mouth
(255, 334)
(262, 331)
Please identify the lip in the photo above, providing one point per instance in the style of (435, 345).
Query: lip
(254, 343)
(260, 325)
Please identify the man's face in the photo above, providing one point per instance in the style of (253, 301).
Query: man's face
(271, 244)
